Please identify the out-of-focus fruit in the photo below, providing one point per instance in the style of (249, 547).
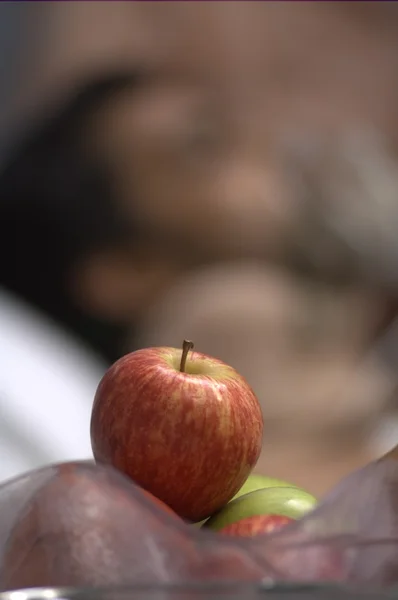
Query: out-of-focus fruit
(78, 524)
(256, 525)
(184, 426)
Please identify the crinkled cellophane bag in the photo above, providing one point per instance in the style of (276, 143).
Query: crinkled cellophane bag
(87, 529)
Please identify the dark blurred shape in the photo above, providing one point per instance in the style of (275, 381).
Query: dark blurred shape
(56, 208)
(21, 26)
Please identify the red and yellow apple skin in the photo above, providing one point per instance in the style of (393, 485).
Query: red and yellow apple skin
(256, 525)
(189, 437)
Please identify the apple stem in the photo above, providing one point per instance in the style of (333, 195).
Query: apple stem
(186, 347)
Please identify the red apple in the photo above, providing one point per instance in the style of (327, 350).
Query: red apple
(184, 426)
(158, 502)
(256, 525)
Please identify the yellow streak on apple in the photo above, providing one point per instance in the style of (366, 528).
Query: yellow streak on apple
(196, 366)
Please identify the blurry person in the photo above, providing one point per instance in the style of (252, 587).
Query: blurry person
(111, 258)
(256, 131)
(207, 153)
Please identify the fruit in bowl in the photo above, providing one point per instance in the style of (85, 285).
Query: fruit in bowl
(81, 524)
(256, 525)
(258, 482)
(184, 426)
(187, 429)
(293, 503)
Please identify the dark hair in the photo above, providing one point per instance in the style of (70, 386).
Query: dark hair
(56, 206)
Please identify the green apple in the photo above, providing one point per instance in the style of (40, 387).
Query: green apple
(284, 501)
(259, 482)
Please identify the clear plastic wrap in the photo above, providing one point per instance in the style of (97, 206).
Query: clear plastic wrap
(80, 524)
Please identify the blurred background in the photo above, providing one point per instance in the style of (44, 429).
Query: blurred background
(225, 172)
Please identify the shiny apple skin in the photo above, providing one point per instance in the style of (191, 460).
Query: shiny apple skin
(256, 525)
(191, 439)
